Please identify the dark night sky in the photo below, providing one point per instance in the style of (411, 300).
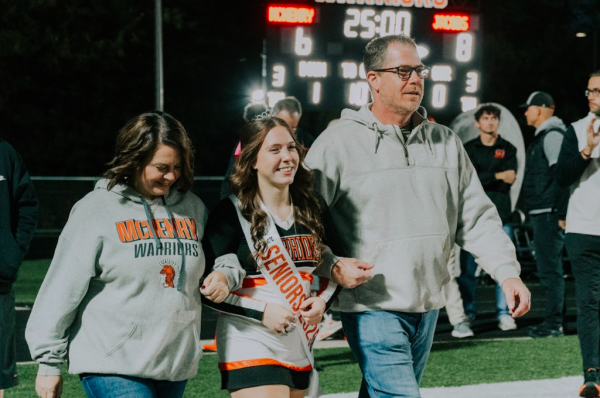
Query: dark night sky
(75, 70)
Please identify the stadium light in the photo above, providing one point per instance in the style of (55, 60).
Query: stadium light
(258, 96)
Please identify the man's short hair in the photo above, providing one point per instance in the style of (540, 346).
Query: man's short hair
(376, 50)
(595, 74)
(488, 108)
(290, 104)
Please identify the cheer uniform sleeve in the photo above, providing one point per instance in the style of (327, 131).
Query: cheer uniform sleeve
(220, 245)
(328, 289)
(223, 244)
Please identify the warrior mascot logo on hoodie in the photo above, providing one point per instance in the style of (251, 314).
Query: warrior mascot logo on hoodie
(169, 274)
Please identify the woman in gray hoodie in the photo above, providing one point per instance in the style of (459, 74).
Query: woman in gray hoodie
(121, 299)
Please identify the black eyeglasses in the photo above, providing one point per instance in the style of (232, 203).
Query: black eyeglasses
(595, 92)
(404, 71)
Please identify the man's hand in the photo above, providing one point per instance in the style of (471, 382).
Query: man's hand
(508, 176)
(518, 297)
(593, 139)
(312, 309)
(562, 224)
(215, 287)
(350, 272)
(49, 386)
(277, 317)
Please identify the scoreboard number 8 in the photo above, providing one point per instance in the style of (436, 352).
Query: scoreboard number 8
(464, 47)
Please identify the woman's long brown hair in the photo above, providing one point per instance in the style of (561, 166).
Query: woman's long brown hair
(137, 142)
(244, 185)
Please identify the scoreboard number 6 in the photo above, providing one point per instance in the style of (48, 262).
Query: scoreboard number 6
(303, 44)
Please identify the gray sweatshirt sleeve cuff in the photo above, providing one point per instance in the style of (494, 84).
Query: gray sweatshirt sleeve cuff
(505, 272)
(230, 266)
(49, 369)
(329, 260)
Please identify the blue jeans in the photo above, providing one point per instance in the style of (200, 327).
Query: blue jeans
(391, 349)
(116, 386)
(467, 283)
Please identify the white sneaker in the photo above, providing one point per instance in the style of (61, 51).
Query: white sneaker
(507, 322)
(462, 330)
(328, 327)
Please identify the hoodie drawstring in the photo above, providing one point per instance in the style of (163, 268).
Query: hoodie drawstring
(149, 217)
(378, 135)
(179, 244)
(429, 146)
(157, 240)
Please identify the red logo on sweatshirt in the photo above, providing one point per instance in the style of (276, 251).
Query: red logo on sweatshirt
(499, 154)
(168, 273)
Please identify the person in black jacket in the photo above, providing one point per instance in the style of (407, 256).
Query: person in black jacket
(495, 161)
(18, 219)
(578, 167)
(546, 203)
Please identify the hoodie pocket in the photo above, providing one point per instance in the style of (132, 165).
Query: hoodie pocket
(10, 256)
(408, 274)
(106, 332)
(123, 341)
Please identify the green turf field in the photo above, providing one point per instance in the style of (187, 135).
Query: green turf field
(450, 364)
(31, 276)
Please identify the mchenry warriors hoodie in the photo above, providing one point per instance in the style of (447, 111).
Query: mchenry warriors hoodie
(122, 293)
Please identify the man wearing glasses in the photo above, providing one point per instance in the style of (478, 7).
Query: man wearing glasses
(578, 167)
(401, 191)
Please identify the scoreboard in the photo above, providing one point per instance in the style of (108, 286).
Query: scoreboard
(314, 51)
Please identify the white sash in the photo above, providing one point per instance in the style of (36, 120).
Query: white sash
(282, 275)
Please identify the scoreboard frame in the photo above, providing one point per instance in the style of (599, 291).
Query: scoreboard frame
(314, 51)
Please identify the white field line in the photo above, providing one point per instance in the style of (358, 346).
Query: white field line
(565, 387)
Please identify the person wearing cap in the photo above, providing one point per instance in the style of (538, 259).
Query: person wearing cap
(578, 167)
(546, 203)
(495, 161)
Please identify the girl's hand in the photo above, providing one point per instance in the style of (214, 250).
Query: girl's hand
(278, 318)
(215, 287)
(312, 310)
